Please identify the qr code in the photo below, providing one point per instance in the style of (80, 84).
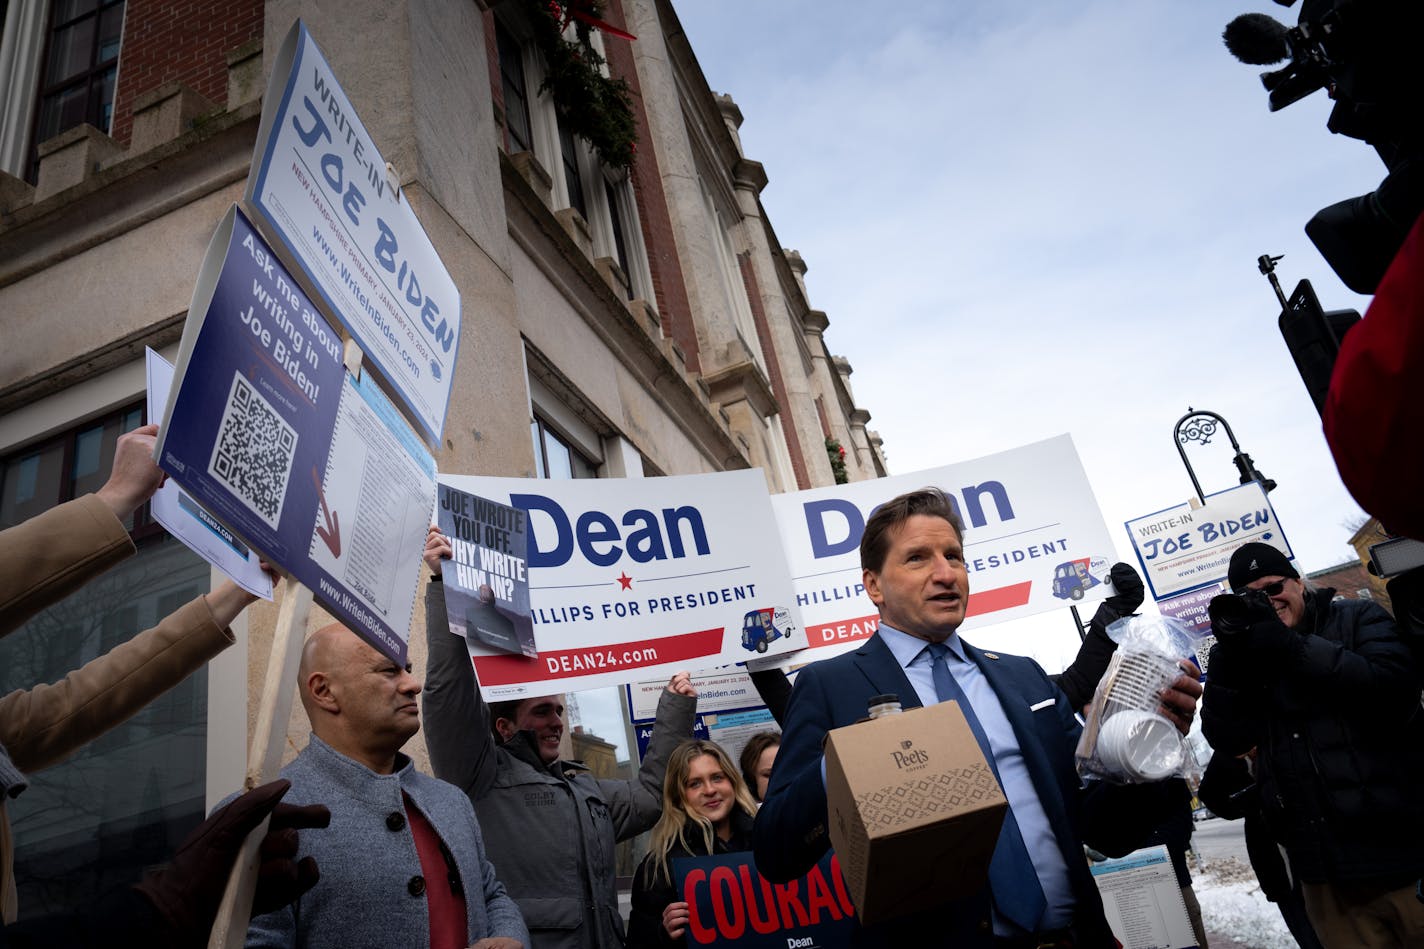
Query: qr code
(254, 451)
(1203, 651)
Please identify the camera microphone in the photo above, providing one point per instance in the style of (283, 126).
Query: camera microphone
(1257, 39)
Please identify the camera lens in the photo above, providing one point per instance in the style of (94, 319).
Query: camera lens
(1229, 613)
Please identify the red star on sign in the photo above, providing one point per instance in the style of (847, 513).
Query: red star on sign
(626, 581)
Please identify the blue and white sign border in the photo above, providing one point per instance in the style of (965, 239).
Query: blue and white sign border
(1147, 572)
(426, 404)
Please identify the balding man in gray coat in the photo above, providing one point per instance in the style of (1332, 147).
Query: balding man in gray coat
(403, 863)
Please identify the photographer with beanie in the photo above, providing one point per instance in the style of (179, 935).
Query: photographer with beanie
(1329, 697)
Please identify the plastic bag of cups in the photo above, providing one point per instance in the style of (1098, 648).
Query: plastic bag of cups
(1126, 739)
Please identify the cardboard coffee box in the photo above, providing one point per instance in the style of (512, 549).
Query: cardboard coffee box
(914, 810)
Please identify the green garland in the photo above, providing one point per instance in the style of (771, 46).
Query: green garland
(836, 453)
(589, 104)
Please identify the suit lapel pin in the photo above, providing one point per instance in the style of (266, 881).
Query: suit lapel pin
(990, 655)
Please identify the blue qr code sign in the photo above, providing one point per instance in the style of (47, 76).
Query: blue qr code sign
(254, 451)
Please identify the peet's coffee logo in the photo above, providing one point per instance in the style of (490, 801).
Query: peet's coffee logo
(912, 759)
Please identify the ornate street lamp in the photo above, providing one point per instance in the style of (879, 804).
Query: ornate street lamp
(1200, 426)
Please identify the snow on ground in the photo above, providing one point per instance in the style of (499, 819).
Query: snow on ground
(1234, 906)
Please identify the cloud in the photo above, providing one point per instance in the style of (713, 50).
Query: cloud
(1029, 218)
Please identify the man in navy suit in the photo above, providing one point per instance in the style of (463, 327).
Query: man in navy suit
(1040, 893)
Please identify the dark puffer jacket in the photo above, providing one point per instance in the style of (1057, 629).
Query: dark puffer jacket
(1337, 720)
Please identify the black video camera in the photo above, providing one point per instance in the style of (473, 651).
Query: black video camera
(1319, 49)
(1366, 52)
(1313, 56)
(1233, 613)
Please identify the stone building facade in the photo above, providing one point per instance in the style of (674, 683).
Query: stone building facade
(615, 324)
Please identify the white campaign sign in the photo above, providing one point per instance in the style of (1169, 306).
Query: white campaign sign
(320, 183)
(1034, 540)
(1143, 902)
(383, 477)
(725, 690)
(1181, 549)
(632, 579)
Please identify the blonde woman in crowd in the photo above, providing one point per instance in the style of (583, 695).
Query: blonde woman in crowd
(707, 809)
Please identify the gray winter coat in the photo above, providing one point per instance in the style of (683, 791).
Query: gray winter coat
(368, 896)
(550, 830)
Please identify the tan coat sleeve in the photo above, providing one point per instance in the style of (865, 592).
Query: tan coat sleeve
(41, 726)
(52, 554)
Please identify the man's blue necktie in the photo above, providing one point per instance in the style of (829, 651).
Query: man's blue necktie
(1013, 883)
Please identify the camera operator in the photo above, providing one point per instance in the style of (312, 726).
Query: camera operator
(1365, 53)
(1329, 696)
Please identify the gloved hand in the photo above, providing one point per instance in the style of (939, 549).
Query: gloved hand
(1247, 628)
(1267, 644)
(1226, 667)
(187, 890)
(1127, 589)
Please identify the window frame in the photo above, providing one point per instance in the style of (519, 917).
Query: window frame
(85, 78)
(506, 42)
(618, 232)
(734, 290)
(22, 54)
(542, 432)
(579, 170)
(220, 689)
(142, 528)
(228, 681)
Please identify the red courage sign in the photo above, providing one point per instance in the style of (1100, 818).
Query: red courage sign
(730, 903)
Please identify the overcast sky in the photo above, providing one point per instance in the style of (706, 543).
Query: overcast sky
(1028, 218)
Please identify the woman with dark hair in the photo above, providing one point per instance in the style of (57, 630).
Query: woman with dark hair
(707, 809)
(757, 759)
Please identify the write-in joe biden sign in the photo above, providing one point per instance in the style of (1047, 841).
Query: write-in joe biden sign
(1182, 548)
(320, 183)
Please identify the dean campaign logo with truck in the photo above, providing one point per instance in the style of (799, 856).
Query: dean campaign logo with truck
(761, 628)
(1075, 577)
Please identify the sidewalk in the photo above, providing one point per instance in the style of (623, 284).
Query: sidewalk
(1218, 941)
(1235, 912)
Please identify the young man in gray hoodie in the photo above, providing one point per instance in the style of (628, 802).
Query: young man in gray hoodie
(550, 825)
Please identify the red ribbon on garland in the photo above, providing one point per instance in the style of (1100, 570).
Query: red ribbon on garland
(581, 14)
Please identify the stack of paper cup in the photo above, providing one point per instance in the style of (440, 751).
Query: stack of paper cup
(1141, 745)
(1134, 739)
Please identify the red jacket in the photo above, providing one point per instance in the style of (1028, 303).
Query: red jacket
(1374, 412)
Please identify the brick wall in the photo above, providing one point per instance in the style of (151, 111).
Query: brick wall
(669, 288)
(179, 40)
(1347, 579)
